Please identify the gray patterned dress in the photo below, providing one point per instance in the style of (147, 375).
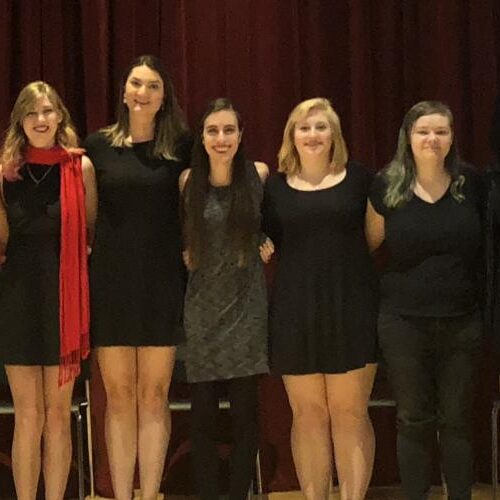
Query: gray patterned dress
(225, 311)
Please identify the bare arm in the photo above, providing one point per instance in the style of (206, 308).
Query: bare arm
(90, 185)
(183, 178)
(374, 227)
(262, 170)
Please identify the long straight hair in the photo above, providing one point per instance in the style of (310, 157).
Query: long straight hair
(243, 221)
(169, 120)
(400, 174)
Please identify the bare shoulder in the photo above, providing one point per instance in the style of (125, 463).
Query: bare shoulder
(262, 170)
(183, 178)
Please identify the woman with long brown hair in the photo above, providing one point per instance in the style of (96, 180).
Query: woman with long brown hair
(225, 313)
(137, 274)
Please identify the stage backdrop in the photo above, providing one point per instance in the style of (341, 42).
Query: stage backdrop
(372, 59)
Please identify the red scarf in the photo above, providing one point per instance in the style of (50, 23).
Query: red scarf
(74, 310)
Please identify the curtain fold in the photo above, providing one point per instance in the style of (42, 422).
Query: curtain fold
(372, 59)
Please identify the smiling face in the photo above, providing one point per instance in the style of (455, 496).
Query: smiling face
(431, 138)
(221, 135)
(313, 135)
(144, 92)
(40, 123)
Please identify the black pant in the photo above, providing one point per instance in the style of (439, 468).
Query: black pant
(204, 405)
(431, 364)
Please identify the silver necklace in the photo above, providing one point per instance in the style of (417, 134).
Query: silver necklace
(42, 178)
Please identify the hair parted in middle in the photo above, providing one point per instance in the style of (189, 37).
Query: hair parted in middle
(400, 173)
(288, 157)
(243, 223)
(15, 138)
(170, 125)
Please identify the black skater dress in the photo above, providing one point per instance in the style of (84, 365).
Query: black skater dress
(323, 307)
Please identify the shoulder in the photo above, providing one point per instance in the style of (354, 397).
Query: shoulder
(475, 180)
(183, 178)
(359, 171)
(275, 180)
(262, 170)
(94, 141)
(378, 189)
(184, 146)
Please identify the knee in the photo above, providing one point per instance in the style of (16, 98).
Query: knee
(153, 398)
(310, 414)
(30, 419)
(121, 398)
(349, 416)
(57, 420)
(417, 424)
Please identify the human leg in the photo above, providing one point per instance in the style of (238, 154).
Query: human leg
(26, 386)
(154, 373)
(56, 433)
(243, 399)
(352, 431)
(204, 410)
(310, 435)
(119, 374)
(458, 354)
(408, 348)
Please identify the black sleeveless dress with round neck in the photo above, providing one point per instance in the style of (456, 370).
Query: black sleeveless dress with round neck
(137, 276)
(29, 279)
(324, 302)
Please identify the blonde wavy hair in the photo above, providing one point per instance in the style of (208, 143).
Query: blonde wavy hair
(288, 157)
(15, 139)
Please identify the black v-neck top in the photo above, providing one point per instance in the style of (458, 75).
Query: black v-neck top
(434, 251)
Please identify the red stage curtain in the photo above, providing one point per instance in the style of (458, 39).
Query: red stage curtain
(372, 59)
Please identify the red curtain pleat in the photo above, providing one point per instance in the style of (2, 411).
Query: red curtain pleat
(372, 59)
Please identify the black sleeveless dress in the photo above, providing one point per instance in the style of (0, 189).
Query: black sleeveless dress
(225, 313)
(137, 277)
(29, 279)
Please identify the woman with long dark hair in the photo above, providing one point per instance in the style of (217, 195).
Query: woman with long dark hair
(137, 274)
(47, 213)
(426, 207)
(225, 313)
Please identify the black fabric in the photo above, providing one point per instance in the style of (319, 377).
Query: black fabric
(137, 276)
(242, 393)
(432, 364)
(492, 316)
(29, 279)
(324, 299)
(435, 252)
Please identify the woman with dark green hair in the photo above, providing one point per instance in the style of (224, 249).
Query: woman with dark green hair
(425, 206)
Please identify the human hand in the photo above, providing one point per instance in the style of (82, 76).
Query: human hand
(266, 250)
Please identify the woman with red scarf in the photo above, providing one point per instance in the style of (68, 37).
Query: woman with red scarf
(47, 213)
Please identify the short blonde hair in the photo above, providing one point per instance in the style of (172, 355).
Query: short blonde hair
(16, 140)
(288, 157)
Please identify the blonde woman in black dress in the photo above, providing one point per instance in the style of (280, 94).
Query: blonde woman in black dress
(323, 303)
(47, 213)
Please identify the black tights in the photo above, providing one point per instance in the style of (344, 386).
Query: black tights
(204, 408)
